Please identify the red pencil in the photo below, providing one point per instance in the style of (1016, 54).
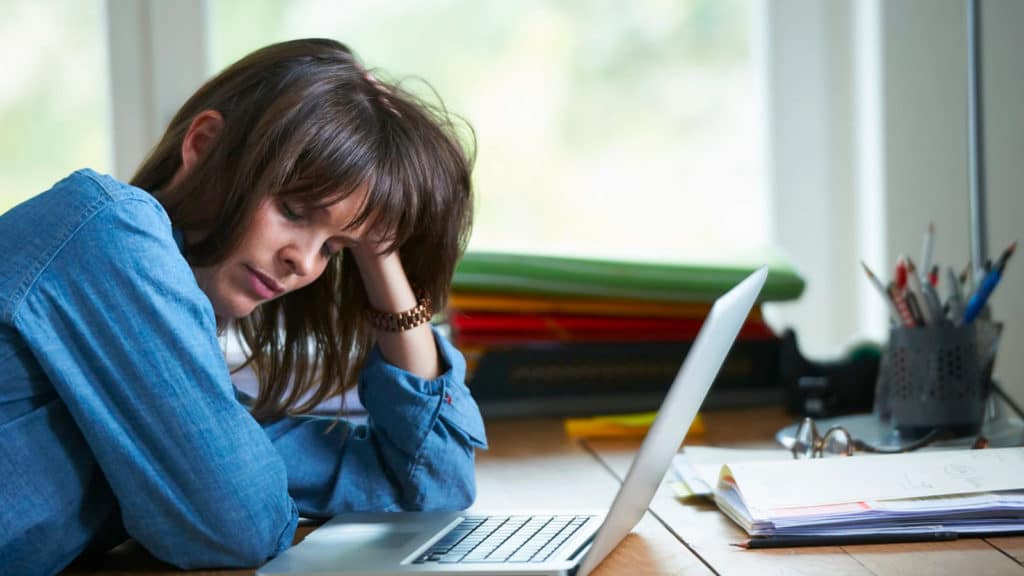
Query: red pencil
(899, 299)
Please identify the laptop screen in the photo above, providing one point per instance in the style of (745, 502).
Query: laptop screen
(677, 412)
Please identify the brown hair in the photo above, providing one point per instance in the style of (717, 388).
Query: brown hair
(304, 120)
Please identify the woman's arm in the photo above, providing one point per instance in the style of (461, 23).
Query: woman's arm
(389, 291)
(415, 452)
(128, 340)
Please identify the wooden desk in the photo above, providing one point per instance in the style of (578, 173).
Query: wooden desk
(531, 464)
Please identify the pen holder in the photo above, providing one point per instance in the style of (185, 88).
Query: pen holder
(937, 377)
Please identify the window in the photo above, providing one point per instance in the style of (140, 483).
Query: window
(53, 94)
(603, 128)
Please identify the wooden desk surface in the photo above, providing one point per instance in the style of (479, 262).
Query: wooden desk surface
(532, 464)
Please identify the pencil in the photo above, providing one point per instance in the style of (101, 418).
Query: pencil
(893, 312)
(902, 309)
(846, 539)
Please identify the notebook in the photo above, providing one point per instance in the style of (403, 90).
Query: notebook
(521, 541)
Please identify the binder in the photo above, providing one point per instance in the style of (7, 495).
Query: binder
(569, 378)
(536, 274)
(962, 492)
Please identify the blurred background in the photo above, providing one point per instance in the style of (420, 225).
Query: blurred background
(821, 133)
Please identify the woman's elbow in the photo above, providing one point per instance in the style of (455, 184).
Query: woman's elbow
(266, 531)
(236, 535)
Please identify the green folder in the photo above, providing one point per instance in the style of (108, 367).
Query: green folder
(536, 274)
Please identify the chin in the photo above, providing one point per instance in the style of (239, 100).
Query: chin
(228, 311)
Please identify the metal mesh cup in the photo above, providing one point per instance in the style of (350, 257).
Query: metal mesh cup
(937, 376)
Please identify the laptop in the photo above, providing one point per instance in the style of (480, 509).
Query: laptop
(529, 542)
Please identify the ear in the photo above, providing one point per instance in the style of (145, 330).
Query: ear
(201, 135)
(199, 139)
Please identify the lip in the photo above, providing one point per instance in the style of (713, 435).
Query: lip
(264, 286)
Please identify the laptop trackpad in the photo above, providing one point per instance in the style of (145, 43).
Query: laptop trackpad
(364, 535)
(363, 542)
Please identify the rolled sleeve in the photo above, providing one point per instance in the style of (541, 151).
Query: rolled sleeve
(415, 452)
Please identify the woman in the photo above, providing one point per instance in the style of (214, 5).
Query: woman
(299, 202)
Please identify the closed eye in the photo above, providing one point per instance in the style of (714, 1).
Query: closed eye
(288, 212)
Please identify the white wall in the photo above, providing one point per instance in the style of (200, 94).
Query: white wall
(1004, 120)
(868, 143)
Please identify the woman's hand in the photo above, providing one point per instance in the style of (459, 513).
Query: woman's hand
(388, 289)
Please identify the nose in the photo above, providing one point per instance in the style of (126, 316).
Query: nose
(300, 260)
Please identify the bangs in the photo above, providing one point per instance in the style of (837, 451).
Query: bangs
(340, 150)
(328, 178)
(391, 208)
(326, 174)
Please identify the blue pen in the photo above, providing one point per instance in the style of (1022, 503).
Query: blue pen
(988, 285)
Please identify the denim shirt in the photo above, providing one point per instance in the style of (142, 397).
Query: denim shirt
(118, 416)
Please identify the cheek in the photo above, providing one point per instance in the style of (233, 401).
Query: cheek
(266, 225)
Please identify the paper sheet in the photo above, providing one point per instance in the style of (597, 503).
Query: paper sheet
(771, 485)
(698, 466)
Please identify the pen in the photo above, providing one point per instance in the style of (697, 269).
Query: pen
(954, 299)
(847, 540)
(929, 310)
(893, 313)
(915, 308)
(980, 297)
(931, 296)
(933, 275)
(926, 251)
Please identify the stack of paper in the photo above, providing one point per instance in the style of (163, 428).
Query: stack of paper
(963, 491)
(697, 467)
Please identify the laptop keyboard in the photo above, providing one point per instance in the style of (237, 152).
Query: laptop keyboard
(504, 539)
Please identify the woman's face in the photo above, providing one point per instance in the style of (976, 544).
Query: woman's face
(286, 248)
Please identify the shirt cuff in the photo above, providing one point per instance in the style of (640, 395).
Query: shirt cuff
(406, 406)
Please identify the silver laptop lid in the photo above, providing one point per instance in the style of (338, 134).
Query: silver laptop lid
(677, 412)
